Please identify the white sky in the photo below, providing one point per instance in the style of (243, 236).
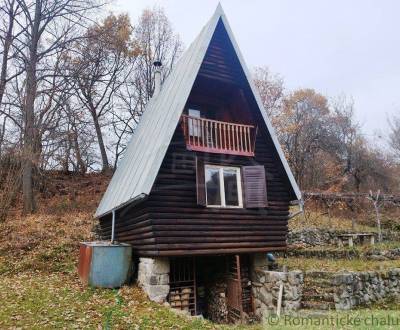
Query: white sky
(335, 47)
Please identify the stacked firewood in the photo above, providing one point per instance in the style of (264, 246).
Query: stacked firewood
(217, 307)
(180, 298)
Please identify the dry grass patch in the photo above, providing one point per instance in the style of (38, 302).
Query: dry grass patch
(316, 219)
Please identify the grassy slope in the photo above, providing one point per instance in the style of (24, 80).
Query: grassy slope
(39, 287)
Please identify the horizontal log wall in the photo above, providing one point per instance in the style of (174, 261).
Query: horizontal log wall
(173, 223)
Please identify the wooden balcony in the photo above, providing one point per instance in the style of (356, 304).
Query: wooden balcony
(220, 137)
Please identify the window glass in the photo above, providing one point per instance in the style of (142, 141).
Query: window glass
(231, 189)
(213, 186)
(194, 127)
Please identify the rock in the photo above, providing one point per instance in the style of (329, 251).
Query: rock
(343, 304)
(265, 296)
(292, 293)
(275, 277)
(295, 277)
(157, 293)
(290, 306)
(343, 278)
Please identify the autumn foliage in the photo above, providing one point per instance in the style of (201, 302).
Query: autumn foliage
(323, 142)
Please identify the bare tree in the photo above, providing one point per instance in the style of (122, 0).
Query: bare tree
(377, 200)
(157, 42)
(48, 28)
(9, 10)
(394, 135)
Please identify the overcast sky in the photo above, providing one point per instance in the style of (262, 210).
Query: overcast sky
(335, 47)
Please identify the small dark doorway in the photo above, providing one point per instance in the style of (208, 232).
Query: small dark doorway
(217, 287)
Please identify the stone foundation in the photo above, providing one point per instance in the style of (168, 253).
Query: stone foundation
(265, 288)
(153, 277)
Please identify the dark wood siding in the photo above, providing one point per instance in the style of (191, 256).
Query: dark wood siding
(170, 222)
(176, 225)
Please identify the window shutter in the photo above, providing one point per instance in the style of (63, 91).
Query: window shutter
(255, 186)
(200, 182)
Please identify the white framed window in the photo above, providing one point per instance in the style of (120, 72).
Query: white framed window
(194, 127)
(223, 186)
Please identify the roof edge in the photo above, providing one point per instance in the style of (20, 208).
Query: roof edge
(257, 96)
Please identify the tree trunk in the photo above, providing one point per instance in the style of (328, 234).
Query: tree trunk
(29, 116)
(79, 161)
(7, 44)
(104, 158)
(378, 220)
(65, 162)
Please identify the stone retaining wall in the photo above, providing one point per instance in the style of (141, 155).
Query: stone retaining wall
(362, 288)
(333, 290)
(266, 290)
(311, 237)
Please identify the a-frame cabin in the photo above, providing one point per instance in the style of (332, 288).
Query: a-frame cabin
(204, 174)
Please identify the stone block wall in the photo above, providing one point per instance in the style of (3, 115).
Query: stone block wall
(361, 288)
(153, 277)
(334, 290)
(313, 237)
(266, 284)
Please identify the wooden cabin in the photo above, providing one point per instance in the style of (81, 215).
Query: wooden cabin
(204, 181)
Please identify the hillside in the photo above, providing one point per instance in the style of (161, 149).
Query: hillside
(38, 258)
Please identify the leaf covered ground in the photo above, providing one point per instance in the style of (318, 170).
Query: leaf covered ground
(39, 286)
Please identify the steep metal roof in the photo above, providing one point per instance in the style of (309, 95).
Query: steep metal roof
(137, 171)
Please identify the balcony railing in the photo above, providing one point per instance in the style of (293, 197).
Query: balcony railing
(214, 136)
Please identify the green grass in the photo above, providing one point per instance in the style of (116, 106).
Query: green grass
(384, 246)
(55, 298)
(357, 319)
(39, 301)
(337, 264)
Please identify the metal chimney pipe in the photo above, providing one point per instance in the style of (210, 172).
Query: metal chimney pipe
(157, 77)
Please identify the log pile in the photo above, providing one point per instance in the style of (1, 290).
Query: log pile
(181, 298)
(217, 306)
